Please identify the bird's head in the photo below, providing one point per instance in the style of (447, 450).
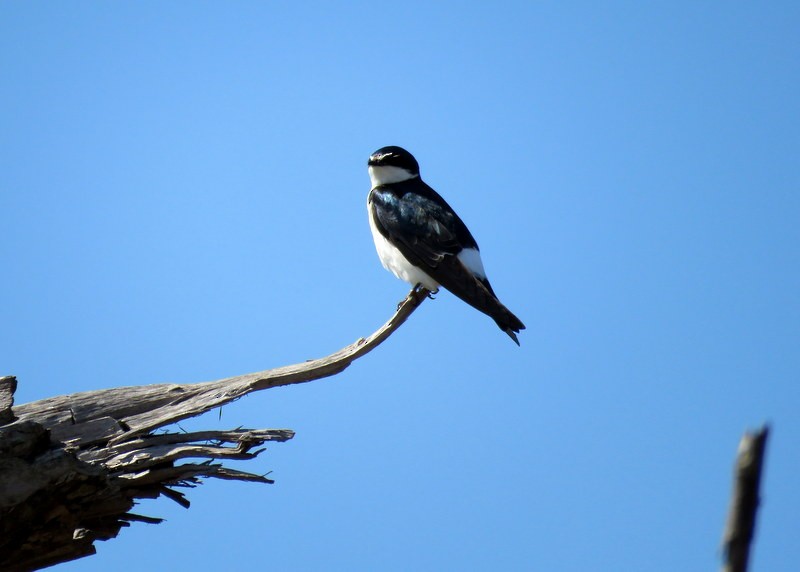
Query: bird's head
(390, 165)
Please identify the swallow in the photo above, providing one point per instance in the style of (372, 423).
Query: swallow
(421, 240)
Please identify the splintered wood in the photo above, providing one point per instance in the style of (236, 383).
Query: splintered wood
(73, 466)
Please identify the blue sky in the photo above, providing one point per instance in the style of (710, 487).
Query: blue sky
(182, 190)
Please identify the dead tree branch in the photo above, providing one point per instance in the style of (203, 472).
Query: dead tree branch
(72, 466)
(741, 523)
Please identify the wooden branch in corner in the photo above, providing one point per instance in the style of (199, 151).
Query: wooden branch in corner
(741, 523)
(119, 413)
(72, 466)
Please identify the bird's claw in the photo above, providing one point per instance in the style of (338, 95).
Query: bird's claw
(417, 289)
(429, 293)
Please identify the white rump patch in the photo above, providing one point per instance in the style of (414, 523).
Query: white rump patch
(471, 258)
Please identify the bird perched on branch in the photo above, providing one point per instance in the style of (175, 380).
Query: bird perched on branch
(421, 240)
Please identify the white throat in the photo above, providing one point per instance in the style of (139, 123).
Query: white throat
(388, 175)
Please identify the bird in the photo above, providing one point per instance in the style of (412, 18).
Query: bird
(421, 240)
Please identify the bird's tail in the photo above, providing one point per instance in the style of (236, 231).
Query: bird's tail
(480, 295)
(503, 317)
(510, 324)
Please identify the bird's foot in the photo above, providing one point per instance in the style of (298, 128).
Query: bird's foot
(429, 293)
(418, 287)
(415, 293)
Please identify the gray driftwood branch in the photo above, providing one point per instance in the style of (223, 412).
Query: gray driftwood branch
(72, 466)
(741, 523)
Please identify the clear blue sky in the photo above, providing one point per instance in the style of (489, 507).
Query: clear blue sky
(182, 191)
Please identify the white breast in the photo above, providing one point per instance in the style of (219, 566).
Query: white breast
(394, 261)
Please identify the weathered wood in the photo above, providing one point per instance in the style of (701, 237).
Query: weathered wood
(22, 439)
(141, 409)
(8, 385)
(741, 523)
(72, 466)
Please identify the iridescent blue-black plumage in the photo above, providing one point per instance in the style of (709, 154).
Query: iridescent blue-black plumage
(412, 212)
(394, 156)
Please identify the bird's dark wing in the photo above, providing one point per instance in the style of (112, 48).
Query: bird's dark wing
(430, 235)
(421, 228)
